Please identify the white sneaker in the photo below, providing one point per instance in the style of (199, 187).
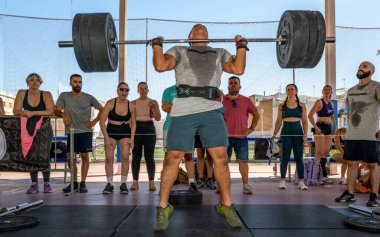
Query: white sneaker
(282, 184)
(302, 186)
(326, 180)
(343, 181)
(247, 189)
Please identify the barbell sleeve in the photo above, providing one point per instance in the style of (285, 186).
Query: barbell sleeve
(65, 44)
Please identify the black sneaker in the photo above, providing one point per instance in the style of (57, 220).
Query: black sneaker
(83, 187)
(68, 188)
(346, 197)
(193, 186)
(108, 189)
(124, 188)
(210, 184)
(373, 200)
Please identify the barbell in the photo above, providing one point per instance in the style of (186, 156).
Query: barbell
(301, 38)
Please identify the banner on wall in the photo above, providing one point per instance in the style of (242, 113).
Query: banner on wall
(11, 152)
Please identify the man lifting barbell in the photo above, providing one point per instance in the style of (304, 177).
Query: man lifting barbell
(198, 71)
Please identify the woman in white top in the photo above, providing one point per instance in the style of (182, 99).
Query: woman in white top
(146, 110)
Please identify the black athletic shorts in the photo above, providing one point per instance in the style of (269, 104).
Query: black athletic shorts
(324, 127)
(82, 142)
(367, 151)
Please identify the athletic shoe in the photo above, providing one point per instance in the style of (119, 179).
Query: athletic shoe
(230, 214)
(210, 184)
(282, 184)
(343, 181)
(193, 186)
(47, 188)
(32, 189)
(68, 188)
(247, 189)
(124, 188)
(326, 180)
(346, 197)
(200, 184)
(108, 189)
(83, 187)
(162, 217)
(373, 200)
(302, 186)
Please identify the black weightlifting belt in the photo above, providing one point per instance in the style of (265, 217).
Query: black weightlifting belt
(207, 92)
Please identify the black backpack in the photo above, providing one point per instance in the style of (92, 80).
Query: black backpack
(60, 150)
(261, 148)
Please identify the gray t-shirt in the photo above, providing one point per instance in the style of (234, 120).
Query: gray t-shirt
(363, 105)
(197, 66)
(79, 110)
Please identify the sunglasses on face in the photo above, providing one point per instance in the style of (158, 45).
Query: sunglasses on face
(124, 89)
(234, 104)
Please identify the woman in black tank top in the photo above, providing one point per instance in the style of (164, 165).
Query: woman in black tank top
(120, 128)
(34, 102)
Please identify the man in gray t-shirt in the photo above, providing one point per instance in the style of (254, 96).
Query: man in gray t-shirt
(363, 134)
(75, 108)
(198, 71)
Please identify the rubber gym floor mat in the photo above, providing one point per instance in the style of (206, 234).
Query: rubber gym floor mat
(310, 233)
(290, 217)
(189, 221)
(74, 220)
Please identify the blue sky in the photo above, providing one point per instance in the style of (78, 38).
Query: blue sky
(364, 13)
(351, 51)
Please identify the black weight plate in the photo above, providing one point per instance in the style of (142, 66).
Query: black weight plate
(82, 47)
(321, 39)
(294, 26)
(313, 39)
(11, 223)
(102, 32)
(185, 197)
(368, 224)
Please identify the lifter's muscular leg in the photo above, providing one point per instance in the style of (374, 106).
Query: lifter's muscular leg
(222, 173)
(169, 174)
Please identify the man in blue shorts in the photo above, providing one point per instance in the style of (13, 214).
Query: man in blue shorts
(238, 108)
(198, 71)
(363, 134)
(75, 109)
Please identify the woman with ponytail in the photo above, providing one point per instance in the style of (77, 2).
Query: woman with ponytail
(292, 116)
(324, 109)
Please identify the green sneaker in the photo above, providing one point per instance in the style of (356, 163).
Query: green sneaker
(229, 213)
(162, 217)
